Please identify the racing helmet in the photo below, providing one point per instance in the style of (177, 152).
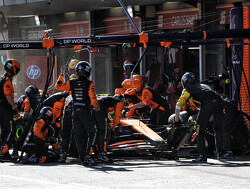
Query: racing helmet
(46, 113)
(20, 101)
(132, 84)
(127, 67)
(137, 76)
(12, 66)
(188, 79)
(121, 98)
(83, 69)
(72, 65)
(31, 89)
(139, 82)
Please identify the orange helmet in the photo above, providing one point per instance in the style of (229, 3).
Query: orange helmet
(127, 84)
(120, 90)
(139, 81)
(131, 84)
(12, 66)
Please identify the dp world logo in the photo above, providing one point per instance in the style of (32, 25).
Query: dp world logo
(33, 72)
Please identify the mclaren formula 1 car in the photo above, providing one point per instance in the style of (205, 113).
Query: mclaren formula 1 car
(159, 140)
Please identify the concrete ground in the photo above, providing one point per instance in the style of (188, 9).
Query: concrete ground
(129, 172)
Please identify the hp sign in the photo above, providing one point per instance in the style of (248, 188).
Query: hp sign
(33, 72)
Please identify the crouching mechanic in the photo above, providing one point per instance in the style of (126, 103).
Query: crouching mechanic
(37, 149)
(107, 104)
(83, 94)
(211, 104)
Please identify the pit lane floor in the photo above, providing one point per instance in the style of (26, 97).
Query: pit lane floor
(129, 171)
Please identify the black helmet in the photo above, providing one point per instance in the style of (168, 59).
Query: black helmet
(188, 79)
(46, 114)
(83, 69)
(12, 66)
(31, 89)
(121, 98)
(20, 102)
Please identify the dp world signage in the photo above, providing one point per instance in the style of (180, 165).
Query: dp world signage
(33, 72)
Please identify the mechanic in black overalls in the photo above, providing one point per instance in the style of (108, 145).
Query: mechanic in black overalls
(8, 107)
(107, 104)
(31, 102)
(211, 104)
(83, 93)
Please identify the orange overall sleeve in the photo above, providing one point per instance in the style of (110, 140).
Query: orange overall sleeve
(117, 114)
(8, 88)
(130, 111)
(57, 111)
(37, 129)
(62, 86)
(27, 106)
(92, 95)
(147, 98)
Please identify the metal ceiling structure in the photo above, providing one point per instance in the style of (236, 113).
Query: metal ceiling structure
(50, 7)
(135, 38)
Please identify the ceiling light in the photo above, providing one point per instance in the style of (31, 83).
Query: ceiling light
(37, 20)
(130, 11)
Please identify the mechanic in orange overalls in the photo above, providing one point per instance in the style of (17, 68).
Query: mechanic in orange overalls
(133, 95)
(8, 107)
(37, 149)
(159, 106)
(83, 94)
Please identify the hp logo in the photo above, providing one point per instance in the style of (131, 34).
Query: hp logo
(33, 72)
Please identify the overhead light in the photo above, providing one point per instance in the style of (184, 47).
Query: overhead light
(130, 11)
(193, 48)
(37, 20)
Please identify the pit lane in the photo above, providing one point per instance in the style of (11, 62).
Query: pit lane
(130, 171)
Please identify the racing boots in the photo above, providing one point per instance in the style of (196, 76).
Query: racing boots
(63, 157)
(226, 155)
(14, 154)
(87, 160)
(103, 156)
(200, 159)
(5, 157)
(27, 159)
